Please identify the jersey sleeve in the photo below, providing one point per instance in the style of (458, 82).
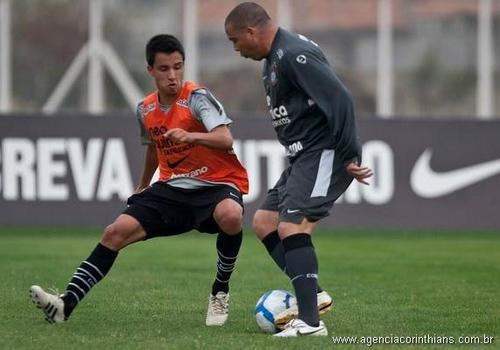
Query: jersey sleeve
(208, 110)
(145, 139)
(309, 71)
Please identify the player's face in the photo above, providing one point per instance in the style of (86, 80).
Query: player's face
(168, 71)
(244, 41)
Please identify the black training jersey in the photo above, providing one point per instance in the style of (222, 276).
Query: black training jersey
(310, 107)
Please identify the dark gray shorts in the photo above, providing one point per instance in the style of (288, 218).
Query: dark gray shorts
(308, 187)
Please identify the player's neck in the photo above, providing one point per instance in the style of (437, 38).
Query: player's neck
(269, 36)
(167, 99)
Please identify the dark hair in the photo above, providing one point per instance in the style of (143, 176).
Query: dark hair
(247, 14)
(165, 43)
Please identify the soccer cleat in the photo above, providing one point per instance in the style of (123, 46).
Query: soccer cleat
(325, 304)
(218, 309)
(51, 304)
(298, 328)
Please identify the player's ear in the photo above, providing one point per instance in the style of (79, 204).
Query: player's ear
(251, 31)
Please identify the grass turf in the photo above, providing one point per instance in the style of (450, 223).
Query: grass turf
(384, 284)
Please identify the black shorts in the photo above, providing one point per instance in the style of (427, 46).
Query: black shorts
(308, 187)
(164, 210)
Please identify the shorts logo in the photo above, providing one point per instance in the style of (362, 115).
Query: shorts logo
(291, 211)
(232, 194)
(301, 59)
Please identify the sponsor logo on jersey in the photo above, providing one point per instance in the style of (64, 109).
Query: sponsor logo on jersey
(157, 131)
(294, 148)
(173, 165)
(278, 112)
(194, 173)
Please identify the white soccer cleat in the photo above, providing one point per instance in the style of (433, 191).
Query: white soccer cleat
(51, 304)
(325, 303)
(298, 328)
(218, 309)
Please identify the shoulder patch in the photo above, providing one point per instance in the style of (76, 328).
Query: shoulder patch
(182, 102)
(301, 59)
(143, 110)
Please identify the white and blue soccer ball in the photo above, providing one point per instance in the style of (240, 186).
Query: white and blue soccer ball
(269, 305)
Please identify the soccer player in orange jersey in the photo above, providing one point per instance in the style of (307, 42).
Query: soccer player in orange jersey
(186, 133)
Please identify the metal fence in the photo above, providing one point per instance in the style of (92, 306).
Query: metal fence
(405, 58)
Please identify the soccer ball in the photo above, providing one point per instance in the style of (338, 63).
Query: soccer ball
(269, 305)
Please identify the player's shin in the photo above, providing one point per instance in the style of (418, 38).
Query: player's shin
(274, 247)
(228, 247)
(302, 266)
(87, 275)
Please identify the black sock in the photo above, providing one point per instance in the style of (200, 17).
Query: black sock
(87, 275)
(274, 247)
(302, 265)
(228, 247)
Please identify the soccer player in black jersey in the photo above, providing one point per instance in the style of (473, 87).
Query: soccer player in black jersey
(313, 115)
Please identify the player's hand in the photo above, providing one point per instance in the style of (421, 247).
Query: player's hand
(360, 173)
(179, 135)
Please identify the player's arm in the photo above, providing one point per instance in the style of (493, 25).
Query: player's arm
(209, 111)
(150, 165)
(150, 157)
(220, 137)
(310, 72)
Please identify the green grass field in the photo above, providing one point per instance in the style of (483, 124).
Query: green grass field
(384, 284)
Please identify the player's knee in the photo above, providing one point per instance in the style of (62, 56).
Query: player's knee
(261, 226)
(112, 237)
(231, 222)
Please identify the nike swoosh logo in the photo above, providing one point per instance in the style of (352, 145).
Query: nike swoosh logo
(289, 211)
(232, 194)
(427, 183)
(173, 165)
(300, 334)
